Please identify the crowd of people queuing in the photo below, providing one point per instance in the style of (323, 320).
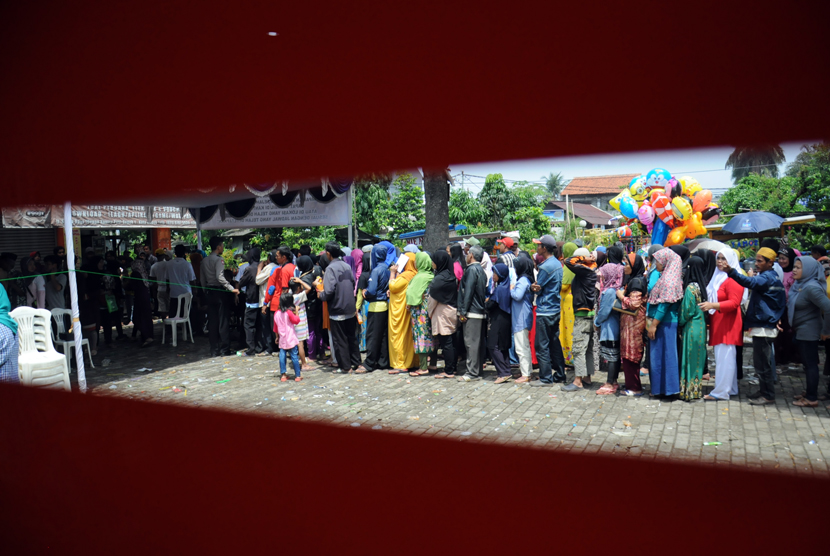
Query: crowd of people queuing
(380, 309)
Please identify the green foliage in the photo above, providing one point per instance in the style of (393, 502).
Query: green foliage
(496, 200)
(554, 184)
(371, 206)
(466, 209)
(405, 212)
(316, 237)
(811, 172)
(756, 192)
(530, 221)
(762, 160)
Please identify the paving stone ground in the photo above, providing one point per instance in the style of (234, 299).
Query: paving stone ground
(780, 438)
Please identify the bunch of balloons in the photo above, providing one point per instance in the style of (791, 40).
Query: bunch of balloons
(671, 209)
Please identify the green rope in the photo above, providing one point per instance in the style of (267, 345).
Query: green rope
(121, 277)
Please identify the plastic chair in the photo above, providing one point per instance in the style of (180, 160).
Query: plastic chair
(182, 318)
(67, 346)
(38, 363)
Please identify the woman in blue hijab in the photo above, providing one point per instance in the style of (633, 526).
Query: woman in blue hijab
(805, 305)
(500, 330)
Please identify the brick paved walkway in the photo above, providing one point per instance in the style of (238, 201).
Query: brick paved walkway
(779, 438)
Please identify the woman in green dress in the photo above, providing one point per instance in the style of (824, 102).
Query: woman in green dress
(691, 319)
(417, 294)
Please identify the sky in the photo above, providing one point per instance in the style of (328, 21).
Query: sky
(706, 165)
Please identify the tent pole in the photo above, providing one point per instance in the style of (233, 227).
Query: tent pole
(351, 224)
(199, 228)
(73, 295)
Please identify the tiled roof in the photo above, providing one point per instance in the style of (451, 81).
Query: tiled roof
(598, 185)
(589, 213)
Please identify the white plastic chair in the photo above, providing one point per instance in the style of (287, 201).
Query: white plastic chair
(67, 346)
(182, 318)
(38, 363)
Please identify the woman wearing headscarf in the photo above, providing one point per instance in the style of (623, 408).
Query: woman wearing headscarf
(566, 308)
(443, 313)
(459, 262)
(683, 252)
(610, 278)
(416, 299)
(664, 300)
(691, 321)
(634, 268)
(785, 350)
(401, 348)
(362, 306)
(584, 290)
(521, 315)
(809, 312)
(322, 264)
(357, 268)
(632, 324)
(142, 310)
(726, 335)
(313, 307)
(499, 307)
(377, 324)
(391, 253)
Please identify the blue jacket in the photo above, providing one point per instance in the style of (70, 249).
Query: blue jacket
(767, 302)
(607, 319)
(521, 306)
(379, 279)
(549, 279)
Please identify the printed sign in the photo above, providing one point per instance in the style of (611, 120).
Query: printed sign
(98, 216)
(266, 214)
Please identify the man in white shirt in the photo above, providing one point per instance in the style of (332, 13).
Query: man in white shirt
(180, 274)
(55, 284)
(159, 273)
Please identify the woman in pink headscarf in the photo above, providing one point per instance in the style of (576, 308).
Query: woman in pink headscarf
(357, 269)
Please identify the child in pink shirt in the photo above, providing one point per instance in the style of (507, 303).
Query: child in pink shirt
(284, 321)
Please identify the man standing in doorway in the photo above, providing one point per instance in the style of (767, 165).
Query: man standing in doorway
(219, 302)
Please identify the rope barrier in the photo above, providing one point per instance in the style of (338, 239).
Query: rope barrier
(206, 288)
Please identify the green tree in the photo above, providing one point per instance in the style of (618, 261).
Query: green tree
(530, 222)
(811, 172)
(371, 206)
(761, 159)
(465, 209)
(316, 237)
(496, 199)
(756, 192)
(405, 212)
(554, 183)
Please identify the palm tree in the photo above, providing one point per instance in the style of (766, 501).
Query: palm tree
(760, 159)
(554, 183)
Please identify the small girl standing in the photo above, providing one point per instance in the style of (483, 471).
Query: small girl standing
(284, 321)
(301, 290)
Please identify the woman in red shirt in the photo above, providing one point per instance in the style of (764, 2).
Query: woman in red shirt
(726, 329)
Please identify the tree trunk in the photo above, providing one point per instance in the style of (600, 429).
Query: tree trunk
(437, 202)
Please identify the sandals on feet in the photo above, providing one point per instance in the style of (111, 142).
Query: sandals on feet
(503, 379)
(804, 402)
(396, 371)
(522, 380)
(444, 375)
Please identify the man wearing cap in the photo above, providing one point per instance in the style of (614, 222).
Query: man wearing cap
(767, 304)
(338, 292)
(547, 288)
(505, 247)
(470, 242)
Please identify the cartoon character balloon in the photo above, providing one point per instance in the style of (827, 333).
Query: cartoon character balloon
(628, 207)
(676, 236)
(638, 189)
(615, 202)
(624, 231)
(690, 186)
(673, 189)
(646, 214)
(658, 178)
(662, 209)
(702, 200)
(681, 209)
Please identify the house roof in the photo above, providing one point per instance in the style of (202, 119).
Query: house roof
(588, 213)
(598, 185)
